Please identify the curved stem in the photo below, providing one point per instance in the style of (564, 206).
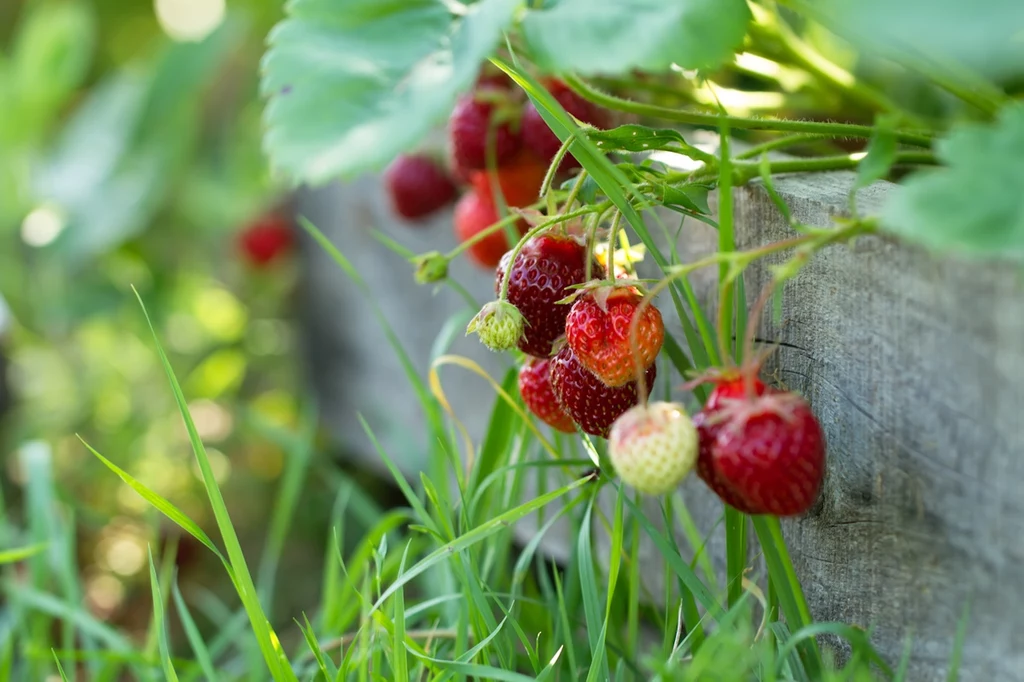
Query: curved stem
(713, 120)
(503, 296)
(745, 172)
(779, 143)
(612, 236)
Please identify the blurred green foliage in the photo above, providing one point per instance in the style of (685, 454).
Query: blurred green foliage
(128, 158)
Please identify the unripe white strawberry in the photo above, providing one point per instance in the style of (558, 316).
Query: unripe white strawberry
(653, 447)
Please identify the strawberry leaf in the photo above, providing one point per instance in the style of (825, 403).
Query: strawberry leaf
(974, 206)
(983, 36)
(616, 36)
(353, 83)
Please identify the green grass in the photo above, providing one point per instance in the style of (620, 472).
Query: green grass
(441, 587)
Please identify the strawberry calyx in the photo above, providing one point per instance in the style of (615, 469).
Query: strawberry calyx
(736, 412)
(499, 324)
(431, 266)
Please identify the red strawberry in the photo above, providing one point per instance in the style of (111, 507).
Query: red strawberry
(545, 266)
(418, 186)
(474, 213)
(544, 143)
(590, 403)
(535, 387)
(520, 179)
(707, 431)
(265, 240)
(469, 127)
(598, 331)
(769, 450)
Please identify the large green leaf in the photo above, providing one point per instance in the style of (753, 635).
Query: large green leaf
(983, 35)
(352, 83)
(616, 36)
(975, 205)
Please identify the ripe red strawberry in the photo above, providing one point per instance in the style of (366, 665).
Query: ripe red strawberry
(470, 122)
(266, 239)
(770, 451)
(545, 266)
(598, 331)
(544, 143)
(707, 430)
(520, 179)
(474, 213)
(535, 387)
(418, 186)
(591, 404)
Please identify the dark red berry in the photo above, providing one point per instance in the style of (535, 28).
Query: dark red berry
(544, 268)
(418, 186)
(591, 404)
(265, 240)
(535, 387)
(474, 213)
(769, 450)
(544, 143)
(469, 125)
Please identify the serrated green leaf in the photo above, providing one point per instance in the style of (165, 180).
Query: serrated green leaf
(352, 84)
(635, 138)
(974, 207)
(616, 36)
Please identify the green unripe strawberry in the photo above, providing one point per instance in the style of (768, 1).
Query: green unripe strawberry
(499, 324)
(653, 447)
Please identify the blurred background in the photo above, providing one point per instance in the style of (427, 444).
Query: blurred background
(130, 156)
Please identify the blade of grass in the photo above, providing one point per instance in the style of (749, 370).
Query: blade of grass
(10, 556)
(678, 566)
(481, 532)
(591, 598)
(296, 468)
(268, 642)
(326, 665)
(958, 645)
(195, 639)
(160, 625)
(161, 504)
(399, 657)
(791, 596)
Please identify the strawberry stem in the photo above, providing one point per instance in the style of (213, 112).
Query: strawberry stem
(503, 296)
(612, 235)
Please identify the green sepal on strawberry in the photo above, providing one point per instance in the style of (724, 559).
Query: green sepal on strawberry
(544, 269)
(499, 324)
(598, 329)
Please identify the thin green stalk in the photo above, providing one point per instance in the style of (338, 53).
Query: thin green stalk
(747, 171)
(714, 120)
(779, 143)
(503, 296)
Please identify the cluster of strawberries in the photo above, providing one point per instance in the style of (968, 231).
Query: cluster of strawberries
(759, 449)
(580, 364)
(495, 119)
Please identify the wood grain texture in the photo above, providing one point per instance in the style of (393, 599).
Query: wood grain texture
(914, 364)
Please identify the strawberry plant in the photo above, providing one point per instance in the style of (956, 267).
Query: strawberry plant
(612, 96)
(574, 146)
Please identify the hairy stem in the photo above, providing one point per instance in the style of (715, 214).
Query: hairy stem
(714, 120)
